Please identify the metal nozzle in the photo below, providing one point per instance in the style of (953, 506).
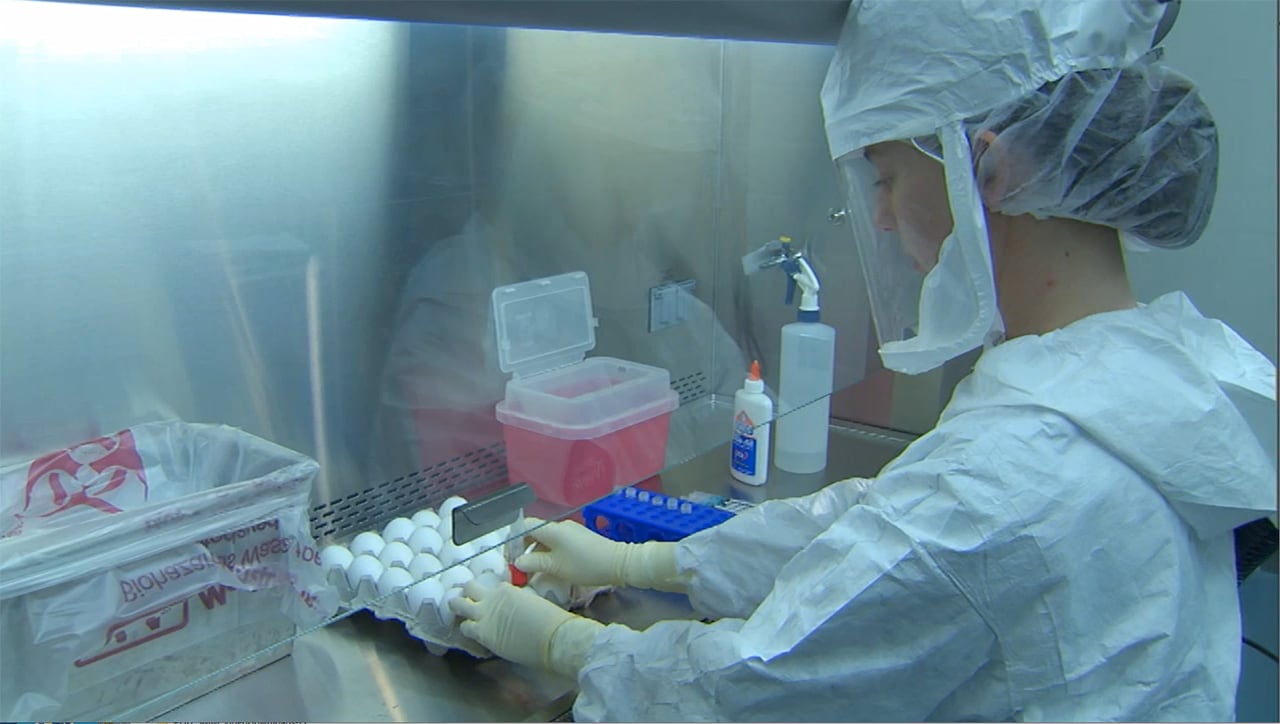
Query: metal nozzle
(771, 254)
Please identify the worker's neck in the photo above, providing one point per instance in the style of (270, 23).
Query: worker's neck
(1052, 272)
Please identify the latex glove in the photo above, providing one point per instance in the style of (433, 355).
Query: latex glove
(519, 626)
(573, 553)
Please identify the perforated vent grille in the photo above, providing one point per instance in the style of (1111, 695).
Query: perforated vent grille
(473, 475)
(690, 387)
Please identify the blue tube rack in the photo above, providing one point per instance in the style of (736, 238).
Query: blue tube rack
(636, 516)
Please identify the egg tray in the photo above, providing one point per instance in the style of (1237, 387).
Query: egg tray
(427, 624)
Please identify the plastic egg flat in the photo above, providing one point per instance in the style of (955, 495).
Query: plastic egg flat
(396, 554)
(424, 592)
(367, 542)
(492, 561)
(392, 580)
(335, 556)
(425, 564)
(426, 517)
(364, 566)
(426, 540)
(455, 577)
(398, 529)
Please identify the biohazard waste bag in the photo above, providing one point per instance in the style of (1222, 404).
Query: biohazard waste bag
(104, 545)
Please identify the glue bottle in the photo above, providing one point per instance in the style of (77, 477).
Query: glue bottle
(752, 422)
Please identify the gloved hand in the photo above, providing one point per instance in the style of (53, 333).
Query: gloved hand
(520, 626)
(575, 554)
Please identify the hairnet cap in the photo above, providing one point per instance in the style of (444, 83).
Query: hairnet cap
(1132, 148)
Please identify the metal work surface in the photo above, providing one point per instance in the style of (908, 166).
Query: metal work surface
(363, 669)
(853, 451)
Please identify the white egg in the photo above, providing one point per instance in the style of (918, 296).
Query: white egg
(364, 566)
(398, 529)
(489, 579)
(488, 561)
(423, 592)
(392, 580)
(446, 613)
(494, 538)
(426, 517)
(445, 528)
(396, 554)
(455, 577)
(335, 556)
(367, 542)
(426, 540)
(451, 554)
(425, 564)
(453, 501)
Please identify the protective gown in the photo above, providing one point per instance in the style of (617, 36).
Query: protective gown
(1059, 547)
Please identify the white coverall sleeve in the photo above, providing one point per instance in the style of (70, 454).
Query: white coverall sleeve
(730, 568)
(861, 624)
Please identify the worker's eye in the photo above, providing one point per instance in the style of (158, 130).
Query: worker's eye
(884, 182)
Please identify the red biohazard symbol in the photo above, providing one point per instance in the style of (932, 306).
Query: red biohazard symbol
(91, 473)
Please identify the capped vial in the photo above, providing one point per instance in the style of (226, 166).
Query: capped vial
(643, 496)
(686, 508)
(672, 503)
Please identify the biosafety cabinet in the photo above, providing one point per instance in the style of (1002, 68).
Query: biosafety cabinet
(247, 273)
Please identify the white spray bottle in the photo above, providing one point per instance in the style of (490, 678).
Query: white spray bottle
(807, 375)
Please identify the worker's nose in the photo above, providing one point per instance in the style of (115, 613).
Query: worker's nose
(884, 219)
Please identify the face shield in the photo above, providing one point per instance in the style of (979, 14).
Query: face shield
(921, 236)
(893, 276)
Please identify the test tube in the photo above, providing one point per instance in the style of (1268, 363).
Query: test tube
(686, 508)
(629, 492)
(672, 503)
(657, 500)
(643, 496)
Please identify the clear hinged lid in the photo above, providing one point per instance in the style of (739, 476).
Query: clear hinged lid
(544, 323)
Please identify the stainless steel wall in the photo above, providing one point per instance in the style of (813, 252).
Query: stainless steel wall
(193, 217)
(293, 225)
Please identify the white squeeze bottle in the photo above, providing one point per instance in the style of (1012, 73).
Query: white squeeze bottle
(805, 381)
(752, 421)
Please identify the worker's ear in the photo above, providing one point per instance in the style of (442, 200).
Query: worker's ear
(991, 167)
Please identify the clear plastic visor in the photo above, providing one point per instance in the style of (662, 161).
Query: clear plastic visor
(920, 229)
(894, 273)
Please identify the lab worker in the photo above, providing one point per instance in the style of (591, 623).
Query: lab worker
(594, 169)
(1059, 547)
